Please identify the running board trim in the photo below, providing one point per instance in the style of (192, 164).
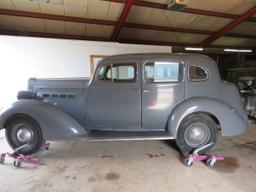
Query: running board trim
(129, 139)
(126, 136)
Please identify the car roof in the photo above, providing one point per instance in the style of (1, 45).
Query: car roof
(178, 56)
(190, 58)
(150, 55)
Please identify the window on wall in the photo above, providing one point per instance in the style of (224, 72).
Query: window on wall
(118, 72)
(156, 72)
(197, 73)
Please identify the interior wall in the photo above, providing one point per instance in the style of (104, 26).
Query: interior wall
(25, 57)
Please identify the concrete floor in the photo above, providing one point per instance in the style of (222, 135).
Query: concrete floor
(133, 166)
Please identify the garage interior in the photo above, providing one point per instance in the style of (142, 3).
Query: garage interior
(66, 38)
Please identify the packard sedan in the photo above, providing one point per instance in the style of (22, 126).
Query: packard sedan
(130, 97)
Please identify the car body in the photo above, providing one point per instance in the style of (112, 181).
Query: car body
(132, 96)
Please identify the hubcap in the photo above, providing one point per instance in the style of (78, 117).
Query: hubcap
(197, 135)
(24, 135)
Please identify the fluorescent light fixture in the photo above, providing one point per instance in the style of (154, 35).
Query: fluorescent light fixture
(193, 49)
(47, 1)
(238, 50)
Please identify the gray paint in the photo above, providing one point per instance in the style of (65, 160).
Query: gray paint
(165, 95)
(68, 108)
(115, 106)
(55, 123)
(230, 120)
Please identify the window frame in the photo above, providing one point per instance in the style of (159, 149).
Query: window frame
(180, 71)
(199, 66)
(133, 64)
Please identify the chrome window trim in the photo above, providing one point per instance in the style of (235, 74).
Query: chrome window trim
(180, 79)
(196, 80)
(134, 80)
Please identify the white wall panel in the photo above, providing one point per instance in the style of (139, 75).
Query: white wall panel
(25, 57)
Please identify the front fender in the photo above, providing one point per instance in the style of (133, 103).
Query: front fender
(230, 121)
(55, 124)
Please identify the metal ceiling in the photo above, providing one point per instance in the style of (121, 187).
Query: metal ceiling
(134, 21)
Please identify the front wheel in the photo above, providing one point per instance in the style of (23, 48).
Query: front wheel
(195, 131)
(24, 131)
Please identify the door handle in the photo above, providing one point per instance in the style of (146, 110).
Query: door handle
(146, 90)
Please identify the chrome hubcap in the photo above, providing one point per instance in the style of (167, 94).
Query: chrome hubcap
(196, 135)
(24, 135)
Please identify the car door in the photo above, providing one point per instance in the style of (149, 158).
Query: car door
(162, 89)
(114, 100)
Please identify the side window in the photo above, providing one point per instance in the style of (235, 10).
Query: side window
(118, 72)
(157, 72)
(197, 73)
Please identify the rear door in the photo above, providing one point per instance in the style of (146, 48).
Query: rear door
(162, 89)
(114, 101)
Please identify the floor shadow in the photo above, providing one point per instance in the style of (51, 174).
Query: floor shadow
(172, 144)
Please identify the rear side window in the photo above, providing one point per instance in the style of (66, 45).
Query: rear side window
(157, 72)
(118, 72)
(197, 73)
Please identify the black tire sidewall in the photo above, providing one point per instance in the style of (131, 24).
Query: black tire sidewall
(37, 142)
(195, 118)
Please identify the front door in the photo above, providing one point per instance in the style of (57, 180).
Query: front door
(114, 100)
(162, 89)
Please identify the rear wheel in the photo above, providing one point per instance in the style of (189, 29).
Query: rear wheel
(22, 131)
(195, 131)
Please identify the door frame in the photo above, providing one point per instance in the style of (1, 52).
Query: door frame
(136, 84)
(92, 64)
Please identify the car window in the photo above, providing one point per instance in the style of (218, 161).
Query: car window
(197, 73)
(157, 72)
(118, 72)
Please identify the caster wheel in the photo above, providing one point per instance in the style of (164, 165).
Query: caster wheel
(210, 162)
(188, 162)
(17, 163)
(2, 159)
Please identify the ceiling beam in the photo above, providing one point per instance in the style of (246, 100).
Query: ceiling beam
(51, 35)
(122, 19)
(165, 43)
(113, 23)
(178, 44)
(104, 39)
(230, 26)
(55, 17)
(186, 10)
(151, 42)
(165, 28)
(183, 30)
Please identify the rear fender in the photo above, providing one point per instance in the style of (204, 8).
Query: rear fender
(55, 124)
(230, 121)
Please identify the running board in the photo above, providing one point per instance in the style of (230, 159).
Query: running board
(127, 136)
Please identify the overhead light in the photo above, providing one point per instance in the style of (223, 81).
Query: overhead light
(238, 50)
(193, 49)
(40, 1)
(177, 5)
(48, 1)
(57, 2)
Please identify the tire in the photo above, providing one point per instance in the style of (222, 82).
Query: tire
(17, 163)
(195, 131)
(2, 159)
(17, 137)
(210, 163)
(188, 162)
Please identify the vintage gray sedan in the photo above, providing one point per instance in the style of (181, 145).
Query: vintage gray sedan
(130, 97)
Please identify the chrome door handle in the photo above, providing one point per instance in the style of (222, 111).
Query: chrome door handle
(146, 90)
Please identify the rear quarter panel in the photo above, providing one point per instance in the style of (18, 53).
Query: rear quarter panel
(230, 121)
